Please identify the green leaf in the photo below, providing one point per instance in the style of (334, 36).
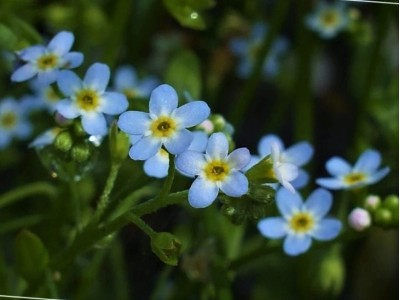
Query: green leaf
(184, 74)
(31, 256)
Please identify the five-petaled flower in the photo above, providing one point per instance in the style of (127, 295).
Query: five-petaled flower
(364, 172)
(89, 99)
(215, 170)
(165, 125)
(46, 62)
(301, 222)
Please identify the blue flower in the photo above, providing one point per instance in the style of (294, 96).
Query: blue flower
(247, 48)
(215, 170)
(301, 222)
(89, 99)
(364, 172)
(46, 62)
(165, 125)
(328, 19)
(287, 162)
(126, 81)
(45, 96)
(13, 121)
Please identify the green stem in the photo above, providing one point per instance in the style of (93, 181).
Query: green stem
(37, 188)
(170, 179)
(74, 194)
(248, 90)
(142, 225)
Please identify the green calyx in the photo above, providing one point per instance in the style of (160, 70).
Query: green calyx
(262, 172)
(167, 247)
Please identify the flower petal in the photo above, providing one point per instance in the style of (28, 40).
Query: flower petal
(235, 185)
(31, 53)
(144, 148)
(179, 142)
(368, 162)
(114, 103)
(319, 202)
(266, 142)
(72, 60)
(94, 124)
(301, 179)
(67, 109)
(61, 43)
(97, 76)
(330, 183)
(23, 73)
(298, 154)
(163, 100)
(192, 113)
(68, 82)
(328, 229)
(199, 142)
(296, 244)
(337, 166)
(157, 165)
(202, 193)
(48, 77)
(273, 228)
(217, 146)
(125, 78)
(378, 175)
(134, 122)
(190, 162)
(288, 202)
(239, 158)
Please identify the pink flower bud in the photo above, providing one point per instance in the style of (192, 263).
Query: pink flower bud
(359, 219)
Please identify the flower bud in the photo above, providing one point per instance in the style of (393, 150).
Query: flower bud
(359, 219)
(391, 202)
(372, 202)
(167, 247)
(63, 141)
(80, 152)
(383, 217)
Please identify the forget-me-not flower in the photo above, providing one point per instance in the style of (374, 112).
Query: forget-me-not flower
(89, 98)
(127, 82)
(46, 62)
(364, 172)
(215, 170)
(45, 96)
(328, 19)
(13, 121)
(301, 222)
(246, 49)
(165, 125)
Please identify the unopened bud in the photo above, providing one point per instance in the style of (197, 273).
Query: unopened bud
(80, 152)
(372, 202)
(63, 141)
(167, 247)
(359, 219)
(383, 217)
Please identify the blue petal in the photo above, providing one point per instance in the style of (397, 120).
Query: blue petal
(378, 175)
(163, 100)
(319, 202)
(125, 78)
(239, 158)
(202, 193)
(239, 46)
(330, 183)
(254, 159)
(328, 229)
(114, 103)
(199, 142)
(31, 53)
(368, 162)
(68, 82)
(23, 129)
(23, 73)
(235, 185)
(97, 76)
(337, 166)
(217, 146)
(301, 179)
(190, 162)
(61, 43)
(192, 113)
(94, 124)
(157, 165)
(298, 154)
(5, 139)
(67, 109)
(273, 228)
(72, 60)
(296, 244)
(144, 148)
(265, 144)
(134, 122)
(47, 77)
(288, 202)
(147, 85)
(134, 138)
(179, 142)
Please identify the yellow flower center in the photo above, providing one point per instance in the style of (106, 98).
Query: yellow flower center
(87, 99)
(163, 127)
(163, 153)
(354, 178)
(216, 170)
(47, 62)
(8, 120)
(330, 18)
(301, 222)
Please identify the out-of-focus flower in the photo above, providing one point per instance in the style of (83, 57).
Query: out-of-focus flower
(13, 121)
(46, 138)
(215, 170)
(364, 172)
(45, 96)
(165, 125)
(328, 19)
(246, 49)
(89, 99)
(301, 222)
(127, 82)
(46, 62)
(359, 219)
